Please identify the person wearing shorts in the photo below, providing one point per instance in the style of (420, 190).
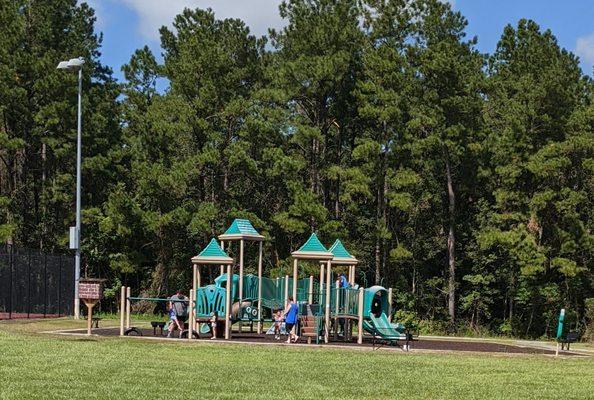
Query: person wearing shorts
(173, 321)
(291, 314)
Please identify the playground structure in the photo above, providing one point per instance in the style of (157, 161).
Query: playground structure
(324, 306)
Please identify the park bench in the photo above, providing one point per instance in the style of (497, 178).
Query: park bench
(95, 322)
(158, 324)
(570, 337)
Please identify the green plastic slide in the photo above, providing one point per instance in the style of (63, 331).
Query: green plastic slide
(381, 326)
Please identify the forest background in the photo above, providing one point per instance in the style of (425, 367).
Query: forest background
(463, 180)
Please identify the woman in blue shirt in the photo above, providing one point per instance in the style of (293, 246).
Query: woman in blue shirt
(291, 313)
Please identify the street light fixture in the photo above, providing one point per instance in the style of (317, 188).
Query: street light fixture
(75, 65)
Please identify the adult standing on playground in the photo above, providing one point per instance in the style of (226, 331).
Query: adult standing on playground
(180, 307)
(291, 312)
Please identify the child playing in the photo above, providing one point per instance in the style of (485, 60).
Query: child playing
(173, 321)
(278, 320)
(213, 324)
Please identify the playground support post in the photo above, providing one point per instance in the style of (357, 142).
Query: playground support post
(360, 326)
(390, 304)
(191, 313)
(310, 296)
(337, 300)
(222, 266)
(241, 247)
(260, 289)
(228, 304)
(321, 283)
(295, 272)
(350, 275)
(287, 290)
(128, 307)
(336, 309)
(122, 309)
(327, 314)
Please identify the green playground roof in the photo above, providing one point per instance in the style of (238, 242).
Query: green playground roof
(313, 249)
(212, 254)
(341, 254)
(241, 229)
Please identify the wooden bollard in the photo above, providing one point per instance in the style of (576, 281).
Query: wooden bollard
(122, 309)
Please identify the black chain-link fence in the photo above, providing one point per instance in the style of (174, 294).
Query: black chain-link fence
(34, 284)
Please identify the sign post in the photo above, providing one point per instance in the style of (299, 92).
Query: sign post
(90, 291)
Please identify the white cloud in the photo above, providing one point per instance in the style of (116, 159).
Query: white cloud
(259, 15)
(584, 48)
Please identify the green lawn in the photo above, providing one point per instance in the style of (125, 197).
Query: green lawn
(34, 365)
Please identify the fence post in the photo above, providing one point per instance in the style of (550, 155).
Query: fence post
(29, 285)
(10, 262)
(44, 285)
(60, 286)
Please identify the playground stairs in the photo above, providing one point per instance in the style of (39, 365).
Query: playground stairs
(309, 328)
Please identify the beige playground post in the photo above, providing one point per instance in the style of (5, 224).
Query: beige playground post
(222, 266)
(327, 314)
(337, 302)
(336, 309)
(194, 276)
(390, 304)
(260, 289)
(310, 294)
(228, 304)
(295, 282)
(240, 283)
(191, 315)
(287, 290)
(122, 309)
(128, 307)
(360, 326)
(322, 275)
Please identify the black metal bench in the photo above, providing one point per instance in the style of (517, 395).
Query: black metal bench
(157, 324)
(571, 337)
(95, 322)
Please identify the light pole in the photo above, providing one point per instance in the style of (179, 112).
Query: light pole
(75, 65)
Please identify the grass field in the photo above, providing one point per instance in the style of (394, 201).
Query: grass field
(35, 365)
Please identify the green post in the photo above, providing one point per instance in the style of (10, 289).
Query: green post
(560, 329)
(560, 326)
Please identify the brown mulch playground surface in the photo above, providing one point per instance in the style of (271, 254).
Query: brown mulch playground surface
(429, 344)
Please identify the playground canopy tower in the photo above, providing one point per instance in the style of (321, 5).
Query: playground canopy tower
(341, 256)
(242, 230)
(212, 254)
(314, 250)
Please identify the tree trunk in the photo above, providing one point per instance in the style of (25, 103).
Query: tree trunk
(451, 241)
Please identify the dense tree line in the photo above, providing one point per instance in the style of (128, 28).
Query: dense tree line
(463, 180)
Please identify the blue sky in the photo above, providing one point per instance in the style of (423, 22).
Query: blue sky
(130, 24)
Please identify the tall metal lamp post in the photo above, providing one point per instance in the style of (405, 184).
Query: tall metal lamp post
(75, 65)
